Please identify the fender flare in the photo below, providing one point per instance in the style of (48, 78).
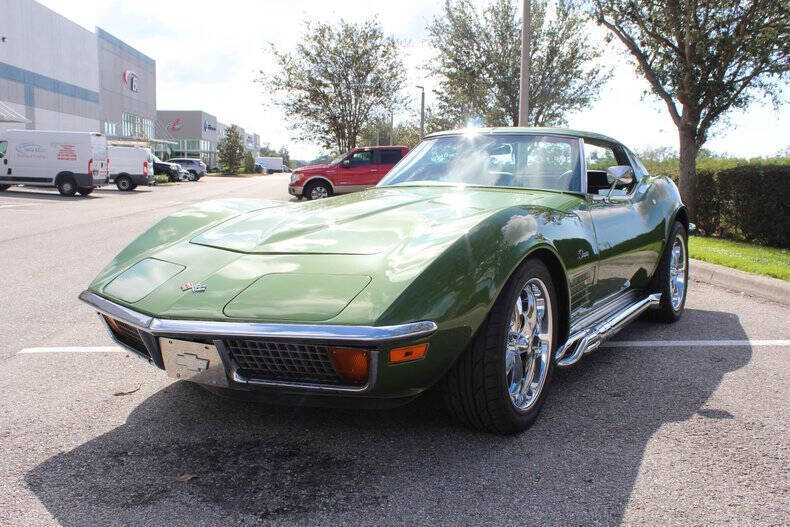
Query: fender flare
(323, 178)
(62, 175)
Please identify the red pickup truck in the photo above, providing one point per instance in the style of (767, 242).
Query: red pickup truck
(356, 170)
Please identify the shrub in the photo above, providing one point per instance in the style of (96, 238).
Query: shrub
(249, 163)
(747, 202)
(161, 178)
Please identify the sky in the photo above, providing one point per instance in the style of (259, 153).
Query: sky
(208, 55)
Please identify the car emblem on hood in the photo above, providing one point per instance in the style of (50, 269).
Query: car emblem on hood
(196, 287)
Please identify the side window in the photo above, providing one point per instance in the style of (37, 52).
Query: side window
(390, 157)
(598, 157)
(3, 148)
(364, 157)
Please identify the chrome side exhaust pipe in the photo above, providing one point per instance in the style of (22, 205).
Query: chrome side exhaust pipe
(588, 340)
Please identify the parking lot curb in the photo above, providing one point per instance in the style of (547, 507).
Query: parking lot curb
(765, 287)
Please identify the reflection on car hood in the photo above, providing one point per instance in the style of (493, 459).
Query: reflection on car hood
(369, 222)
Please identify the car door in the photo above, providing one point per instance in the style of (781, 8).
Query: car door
(385, 160)
(627, 234)
(359, 171)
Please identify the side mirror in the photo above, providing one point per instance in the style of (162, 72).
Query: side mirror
(621, 174)
(346, 163)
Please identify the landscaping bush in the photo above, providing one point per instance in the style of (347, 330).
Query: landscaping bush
(747, 202)
(249, 163)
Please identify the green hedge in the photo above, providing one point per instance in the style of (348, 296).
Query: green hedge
(748, 202)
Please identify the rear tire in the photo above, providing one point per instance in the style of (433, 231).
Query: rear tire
(317, 190)
(500, 383)
(124, 183)
(3, 188)
(193, 175)
(67, 186)
(671, 277)
(85, 191)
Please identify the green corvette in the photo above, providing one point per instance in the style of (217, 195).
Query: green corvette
(485, 259)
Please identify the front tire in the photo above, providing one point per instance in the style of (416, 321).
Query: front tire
(500, 383)
(671, 278)
(3, 188)
(85, 191)
(317, 190)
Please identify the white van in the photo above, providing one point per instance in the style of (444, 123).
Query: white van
(131, 166)
(71, 161)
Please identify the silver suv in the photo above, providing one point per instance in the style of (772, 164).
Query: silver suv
(195, 167)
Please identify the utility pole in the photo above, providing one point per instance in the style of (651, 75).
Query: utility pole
(523, 99)
(422, 111)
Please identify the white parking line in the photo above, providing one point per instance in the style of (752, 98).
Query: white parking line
(73, 349)
(691, 343)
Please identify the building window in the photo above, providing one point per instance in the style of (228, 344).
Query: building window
(136, 126)
(110, 129)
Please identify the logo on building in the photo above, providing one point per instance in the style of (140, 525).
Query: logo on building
(175, 125)
(208, 126)
(130, 78)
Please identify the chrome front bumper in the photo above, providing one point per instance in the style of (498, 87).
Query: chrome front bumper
(153, 330)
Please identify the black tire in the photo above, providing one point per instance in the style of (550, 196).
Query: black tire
(67, 186)
(193, 175)
(475, 390)
(317, 190)
(666, 311)
(3, 188)
(124, 183)
(84, 191)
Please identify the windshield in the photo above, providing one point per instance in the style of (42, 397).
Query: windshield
(156, 159)
(338, 159)
(528, 161)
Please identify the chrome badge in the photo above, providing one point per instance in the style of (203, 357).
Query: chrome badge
(196, 287)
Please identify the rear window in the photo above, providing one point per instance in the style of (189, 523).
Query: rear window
(390, 157)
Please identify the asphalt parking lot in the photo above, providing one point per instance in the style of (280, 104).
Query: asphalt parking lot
(669, 424)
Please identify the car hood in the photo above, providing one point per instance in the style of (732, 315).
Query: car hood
(313, 168)
(365, 223)
(344, 259)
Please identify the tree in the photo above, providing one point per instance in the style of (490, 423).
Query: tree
(702, 59)
(337, 75)
(283, 152)
(478, 62)
(231, 150)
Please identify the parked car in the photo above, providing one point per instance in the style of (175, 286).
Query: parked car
(195, 167)
(353, 171)
(270, 165)
(131, 166)
(70, 161)
(171, 170)
(481, 263)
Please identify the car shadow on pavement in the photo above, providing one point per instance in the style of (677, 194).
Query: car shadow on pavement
(24, 194)
(577, 464)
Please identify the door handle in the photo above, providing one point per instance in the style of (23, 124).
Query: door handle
(374, 169)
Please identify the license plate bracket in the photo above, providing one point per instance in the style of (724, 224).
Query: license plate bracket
(193, 361)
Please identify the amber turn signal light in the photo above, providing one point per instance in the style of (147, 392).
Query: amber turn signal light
(408, 353)
(350, 363)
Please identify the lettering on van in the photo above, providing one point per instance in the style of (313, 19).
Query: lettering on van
(66, 152)
(31, 151)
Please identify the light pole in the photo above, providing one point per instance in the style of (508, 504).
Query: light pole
(422, 111)
(523, 98)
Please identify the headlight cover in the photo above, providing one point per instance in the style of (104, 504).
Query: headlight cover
(295, 177)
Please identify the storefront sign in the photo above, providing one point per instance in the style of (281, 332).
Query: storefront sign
(208, 126)
(130, 78)
(175, 125)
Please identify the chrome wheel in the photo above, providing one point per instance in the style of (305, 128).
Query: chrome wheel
(319, 192)
(677, 271)
(529, 344)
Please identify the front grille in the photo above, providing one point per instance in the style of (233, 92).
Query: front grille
(281, 361)
(128, 335)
